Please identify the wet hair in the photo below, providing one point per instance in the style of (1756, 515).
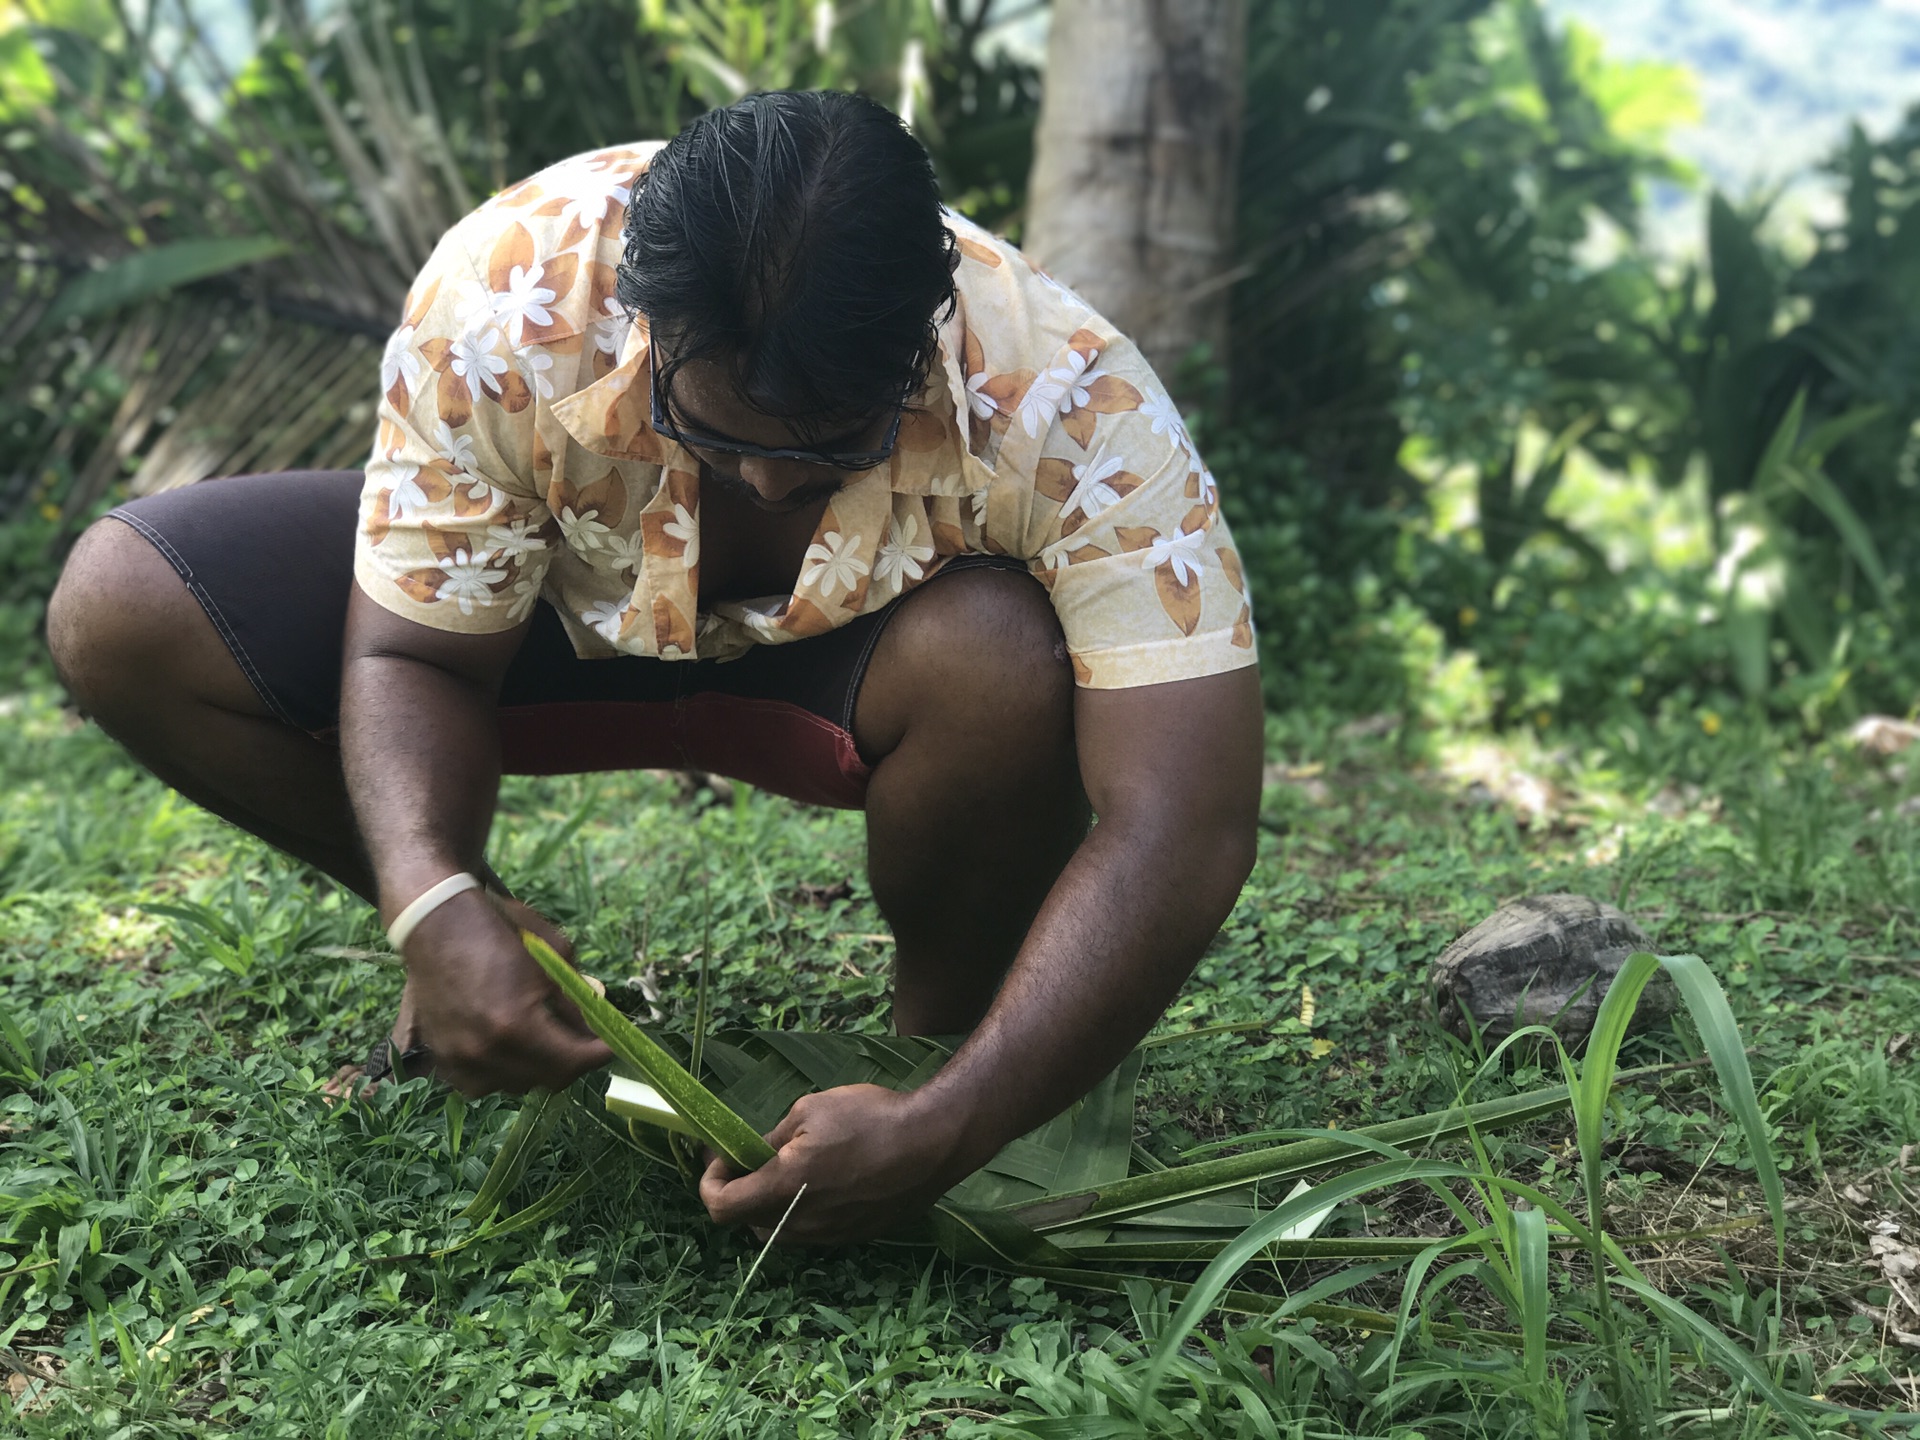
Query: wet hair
(794, 237)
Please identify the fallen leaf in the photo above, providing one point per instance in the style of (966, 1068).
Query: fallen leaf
(1897, 1261)
(1855, 1194)
(1884, 735)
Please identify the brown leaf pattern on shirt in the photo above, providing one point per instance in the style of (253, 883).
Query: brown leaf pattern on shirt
(515, 459)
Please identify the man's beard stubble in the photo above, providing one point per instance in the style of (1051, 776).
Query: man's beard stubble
(734, 488)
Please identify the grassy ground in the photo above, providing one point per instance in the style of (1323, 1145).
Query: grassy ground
(192, 1242)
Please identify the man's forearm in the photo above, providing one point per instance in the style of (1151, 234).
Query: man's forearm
(421, 749)
(1122, 929)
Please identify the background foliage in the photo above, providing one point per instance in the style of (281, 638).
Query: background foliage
(1478, 435)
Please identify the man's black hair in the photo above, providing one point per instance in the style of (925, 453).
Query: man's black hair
(794, 237)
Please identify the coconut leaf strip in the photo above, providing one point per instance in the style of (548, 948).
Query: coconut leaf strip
(719, 1126)
(823, 1065)
(1140, 1194)
(991, 1237)
(545, 1208)
(523, 1140)
(1119, 1250)
(1116, 1251)
(1102, 1133)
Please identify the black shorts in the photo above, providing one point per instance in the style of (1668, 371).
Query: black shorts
(779, 717)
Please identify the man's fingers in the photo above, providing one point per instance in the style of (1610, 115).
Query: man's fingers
(541, 1053)
(780, 1134)
(761, 1197)
(568, 1013)
(715, 1178)
(565, 1051)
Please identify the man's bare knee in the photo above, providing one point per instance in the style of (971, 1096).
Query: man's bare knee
(979, 650)
(118, 608)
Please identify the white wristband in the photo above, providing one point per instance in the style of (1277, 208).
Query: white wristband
(408, 920)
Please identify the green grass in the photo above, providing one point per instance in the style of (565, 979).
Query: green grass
(191, 1242)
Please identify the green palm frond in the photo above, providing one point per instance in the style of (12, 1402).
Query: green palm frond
(1072, 1197)
(1077, 1203)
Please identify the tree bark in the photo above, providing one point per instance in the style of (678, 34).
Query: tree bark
(1132, 196)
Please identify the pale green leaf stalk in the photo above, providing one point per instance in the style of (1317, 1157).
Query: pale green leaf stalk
(718, 1126)
(1142, 1194)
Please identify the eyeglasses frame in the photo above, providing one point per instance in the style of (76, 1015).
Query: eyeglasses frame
(721, 445)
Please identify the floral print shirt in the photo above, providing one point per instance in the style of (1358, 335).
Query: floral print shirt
(515, 460)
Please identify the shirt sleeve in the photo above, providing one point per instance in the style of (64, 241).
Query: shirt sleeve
(452, 533)
(1126, 531)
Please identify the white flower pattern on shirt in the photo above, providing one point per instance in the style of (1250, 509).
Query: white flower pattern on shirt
(1181, 551)
(903, 554)
(469, 579)
(834, 563)
(514, 460)
(518, 537)
(473, 361)
(1092, 494)
(1059, 390)
(456, 450)
(624, 553)
(606, 617)
(526, 300)
(583, 532)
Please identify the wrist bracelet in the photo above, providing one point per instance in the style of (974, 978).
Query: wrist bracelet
(408, 920)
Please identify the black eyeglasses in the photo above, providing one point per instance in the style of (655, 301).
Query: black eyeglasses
(721, 445)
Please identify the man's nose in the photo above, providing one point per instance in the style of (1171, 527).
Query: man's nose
(773, 480)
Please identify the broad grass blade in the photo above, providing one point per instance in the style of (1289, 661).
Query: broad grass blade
(1595, 1085)
(1216, 1277)
(1714, 1346)
(18, 1048)
(718, 1126)
(1530, 1260)
(1707, 1003)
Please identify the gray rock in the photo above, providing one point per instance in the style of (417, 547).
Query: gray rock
(1548, 960)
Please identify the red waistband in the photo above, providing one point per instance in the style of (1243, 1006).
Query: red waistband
(770, 744)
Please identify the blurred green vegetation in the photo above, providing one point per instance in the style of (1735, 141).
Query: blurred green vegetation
(1490, 457)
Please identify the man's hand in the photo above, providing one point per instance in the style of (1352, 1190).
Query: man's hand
(872, 1160)
(486, 1009)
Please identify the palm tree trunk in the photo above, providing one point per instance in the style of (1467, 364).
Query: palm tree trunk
(1132, 195)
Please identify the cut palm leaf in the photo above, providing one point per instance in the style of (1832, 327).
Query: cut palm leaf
(1073, 1199)
(710, 1119)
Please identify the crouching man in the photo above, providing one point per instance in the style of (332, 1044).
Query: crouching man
(737, 453)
